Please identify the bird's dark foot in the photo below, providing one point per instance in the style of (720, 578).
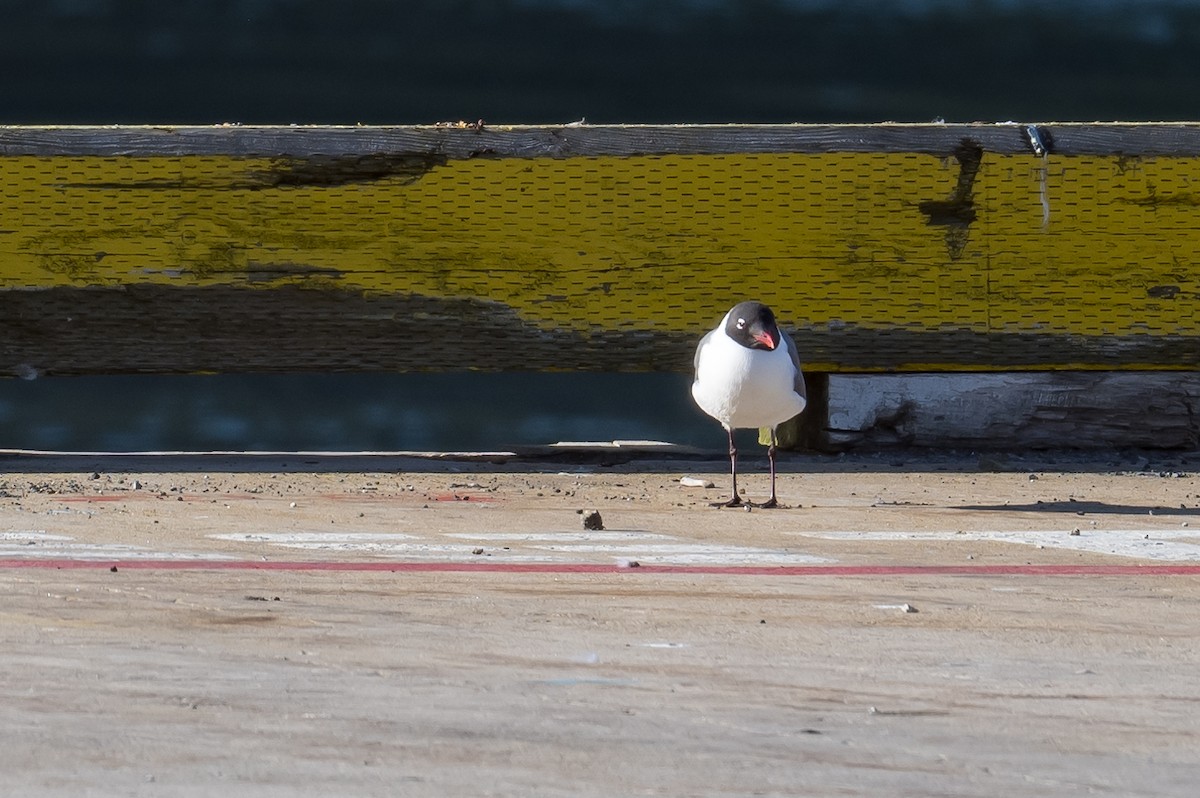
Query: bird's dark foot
(770, 504)
(736, 501)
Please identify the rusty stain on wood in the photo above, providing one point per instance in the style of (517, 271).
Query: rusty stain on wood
(958, 212)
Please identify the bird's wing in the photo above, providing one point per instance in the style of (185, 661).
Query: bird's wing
(703, 341)
(798, 382)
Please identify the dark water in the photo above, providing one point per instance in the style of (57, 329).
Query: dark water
(347, 412)
(538, 61)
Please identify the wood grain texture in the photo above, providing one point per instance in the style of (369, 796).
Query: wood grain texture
(533, 141)
(1015, 411)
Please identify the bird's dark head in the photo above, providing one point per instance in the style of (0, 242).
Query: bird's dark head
(752, 324)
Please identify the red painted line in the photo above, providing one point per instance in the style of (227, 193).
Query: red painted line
(598, 568)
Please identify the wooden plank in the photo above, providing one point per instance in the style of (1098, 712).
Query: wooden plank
(461, 140)
(181, 249)
(1085, 410)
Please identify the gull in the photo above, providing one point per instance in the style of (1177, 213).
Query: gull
(748, 376)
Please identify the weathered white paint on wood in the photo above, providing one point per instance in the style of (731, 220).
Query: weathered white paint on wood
(1016, 410)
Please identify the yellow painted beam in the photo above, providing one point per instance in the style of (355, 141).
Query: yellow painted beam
(861, 248)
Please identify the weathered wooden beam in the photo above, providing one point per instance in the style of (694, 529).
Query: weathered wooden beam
(884, 247)
(1084, 410)
(472, 140)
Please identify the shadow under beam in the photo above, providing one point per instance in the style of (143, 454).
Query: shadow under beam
(1085, 508)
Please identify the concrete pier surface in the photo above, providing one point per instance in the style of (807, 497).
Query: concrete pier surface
(321, 625)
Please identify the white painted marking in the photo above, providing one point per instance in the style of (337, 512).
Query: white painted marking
(389, 544)
(31, 535)
(1172, 545)
(39, 545)
(289, 538)
(644, 547)
(556, 536)
(690, 554)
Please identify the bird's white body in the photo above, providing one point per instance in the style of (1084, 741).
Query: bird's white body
(743, 387)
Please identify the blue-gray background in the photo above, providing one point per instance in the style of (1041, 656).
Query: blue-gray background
(533, 61)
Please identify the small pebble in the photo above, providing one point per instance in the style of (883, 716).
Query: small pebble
(593, 521)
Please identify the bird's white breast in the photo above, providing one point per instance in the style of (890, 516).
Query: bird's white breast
(743, 387)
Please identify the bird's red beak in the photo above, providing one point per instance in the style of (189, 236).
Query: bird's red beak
(766, 340)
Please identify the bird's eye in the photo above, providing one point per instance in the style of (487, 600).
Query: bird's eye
(741, 324)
